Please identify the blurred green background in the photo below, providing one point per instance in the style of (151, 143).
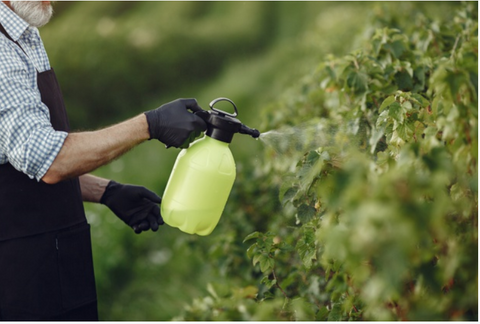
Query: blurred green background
(117, 59)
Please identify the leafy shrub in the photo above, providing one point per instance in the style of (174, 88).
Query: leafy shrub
(379, 220)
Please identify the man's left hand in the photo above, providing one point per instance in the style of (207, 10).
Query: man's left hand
(135, 205)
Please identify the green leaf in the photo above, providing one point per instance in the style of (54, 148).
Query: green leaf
(251, 250)
(387, 102)
(266, 263)
(287, 183)
(419, 74)
(268, 242)
(405, 131)
(377, 134)
(306, 247)
(257, 258)
(404, 81)
(289, 195)
(424, 103)
(312, 157)
(335, 313)
(437, 106)
(252, 236)
(212, 291)
(322, 314)
(455, 79)
(357, 82)
(398, 48)
(305, 213)
(268, 282)
(396, 112)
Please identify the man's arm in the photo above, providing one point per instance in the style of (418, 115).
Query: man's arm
(92, 187)
(171, 123)
(86, 151)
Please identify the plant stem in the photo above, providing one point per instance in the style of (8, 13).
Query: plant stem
(278, 285)
(452, 56)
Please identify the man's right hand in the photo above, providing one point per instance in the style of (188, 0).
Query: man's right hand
(173, 125)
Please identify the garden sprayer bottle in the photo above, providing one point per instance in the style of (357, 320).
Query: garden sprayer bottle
(203, 175)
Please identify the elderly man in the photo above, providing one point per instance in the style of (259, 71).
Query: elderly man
(46, 270)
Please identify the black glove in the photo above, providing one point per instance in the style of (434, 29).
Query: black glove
(136, 206)
(173, 125)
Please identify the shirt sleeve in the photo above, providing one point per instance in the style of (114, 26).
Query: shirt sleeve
(27, 139)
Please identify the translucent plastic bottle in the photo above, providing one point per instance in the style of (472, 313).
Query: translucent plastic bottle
(199, 186)
(203, 175)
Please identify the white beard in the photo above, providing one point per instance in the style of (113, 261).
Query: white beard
(35, 13)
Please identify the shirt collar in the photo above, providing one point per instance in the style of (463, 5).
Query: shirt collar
(13, 24)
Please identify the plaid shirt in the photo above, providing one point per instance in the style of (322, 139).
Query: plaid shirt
(27, 139)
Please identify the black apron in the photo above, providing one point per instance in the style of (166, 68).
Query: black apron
(46, 266)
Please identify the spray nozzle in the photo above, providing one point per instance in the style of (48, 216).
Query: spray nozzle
(249, 131)
(222, 125)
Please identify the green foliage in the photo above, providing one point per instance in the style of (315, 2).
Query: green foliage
(363, 204)
(125, 57)
(381, 221)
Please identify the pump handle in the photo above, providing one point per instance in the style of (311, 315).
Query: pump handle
(221, 111)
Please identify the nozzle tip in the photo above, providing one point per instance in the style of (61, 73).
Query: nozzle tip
(249, 131)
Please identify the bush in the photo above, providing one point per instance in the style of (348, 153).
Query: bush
(377, 179)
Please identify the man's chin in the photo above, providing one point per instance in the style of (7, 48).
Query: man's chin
(35, 13)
